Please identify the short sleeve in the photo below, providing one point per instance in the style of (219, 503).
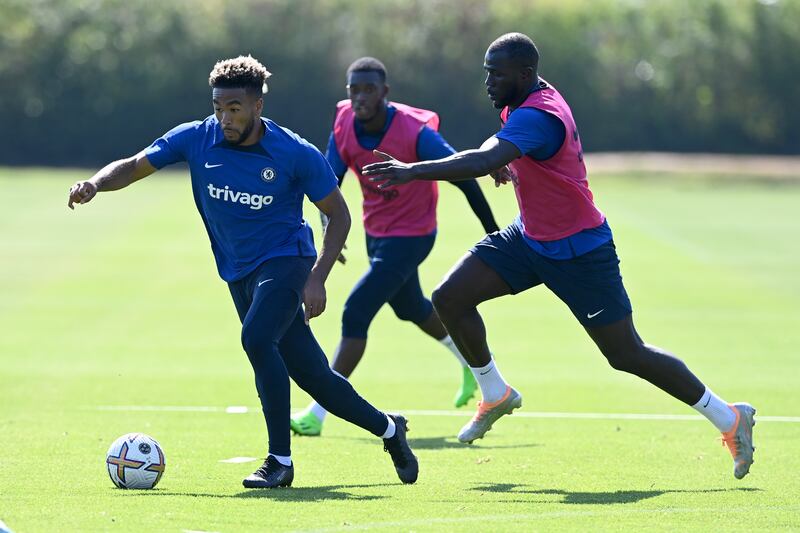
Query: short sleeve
(313, 172)
(534, 132)
(173, 146)
(431, 145)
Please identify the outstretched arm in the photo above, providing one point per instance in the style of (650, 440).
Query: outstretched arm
(335, 208)
(493, 154)
(111, 177)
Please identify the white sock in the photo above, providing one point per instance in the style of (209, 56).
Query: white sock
(391, 429)
(285, 460)
(716, 410)
(317, 410)
(493, 386)
(450, 345)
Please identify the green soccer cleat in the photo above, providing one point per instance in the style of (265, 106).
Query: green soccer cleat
(306, 424)
(467, 390)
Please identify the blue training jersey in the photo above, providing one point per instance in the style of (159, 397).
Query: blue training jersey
(539, 135)
(249, 197)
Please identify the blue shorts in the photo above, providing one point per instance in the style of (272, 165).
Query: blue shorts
(590, 284)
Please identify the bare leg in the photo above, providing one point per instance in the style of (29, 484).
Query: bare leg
(348, 354)
(433, 326)
(456, 300)
(625, 351)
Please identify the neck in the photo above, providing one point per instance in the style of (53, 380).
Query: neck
(524, 94)
(376, 123)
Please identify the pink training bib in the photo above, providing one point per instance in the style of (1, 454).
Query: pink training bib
(553, 195)
(407, 210)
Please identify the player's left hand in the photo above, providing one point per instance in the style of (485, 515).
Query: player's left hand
(503, 175)
(314, 298)
(390, 171)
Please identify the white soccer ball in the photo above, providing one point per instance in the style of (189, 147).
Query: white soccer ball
(135, 461)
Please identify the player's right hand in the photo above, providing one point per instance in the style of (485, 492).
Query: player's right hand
(81, 192)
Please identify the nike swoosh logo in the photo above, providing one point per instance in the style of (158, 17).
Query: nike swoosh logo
(377, 259)
(707, 402)
(484, 373)
(592, 315)
(260, 283)
(212, 166)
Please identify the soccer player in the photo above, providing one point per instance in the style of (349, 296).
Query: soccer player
(249, 176)
(400, 224)
(560, 240)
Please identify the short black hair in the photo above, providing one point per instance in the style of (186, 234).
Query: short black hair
(240, 72)
(519, 47)
(367, 64)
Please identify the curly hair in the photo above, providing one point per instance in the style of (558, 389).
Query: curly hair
(240, 72)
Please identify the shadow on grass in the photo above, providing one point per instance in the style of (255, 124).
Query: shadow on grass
(595, 498)
(293, 494)
(440, 443)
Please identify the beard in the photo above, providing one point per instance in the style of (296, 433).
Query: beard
(245, 133)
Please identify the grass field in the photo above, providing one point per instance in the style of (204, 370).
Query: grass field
(113, 320)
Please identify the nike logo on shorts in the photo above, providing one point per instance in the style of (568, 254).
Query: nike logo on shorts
(212, 166)
(260, 283)
(592, 315)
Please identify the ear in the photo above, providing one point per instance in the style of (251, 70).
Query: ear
(260, 105)
(527, 73)
(385, 90)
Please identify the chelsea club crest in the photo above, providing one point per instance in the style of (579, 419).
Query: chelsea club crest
(268, 174)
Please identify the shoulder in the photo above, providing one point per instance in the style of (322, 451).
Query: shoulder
(188, 129)
(287, 137)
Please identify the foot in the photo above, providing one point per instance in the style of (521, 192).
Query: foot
(306, 424)
(488, 414)
(467, 390)
(739, 439)
(271, 474)
(405, 462)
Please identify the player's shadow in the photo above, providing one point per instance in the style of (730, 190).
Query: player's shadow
(439, 443)
(289, 494)
(593, 498)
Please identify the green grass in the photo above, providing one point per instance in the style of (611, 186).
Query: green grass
(119, 304)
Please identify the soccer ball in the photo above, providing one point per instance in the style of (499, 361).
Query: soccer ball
(135, 461)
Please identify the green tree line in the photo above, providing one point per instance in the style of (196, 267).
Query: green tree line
(85, 81)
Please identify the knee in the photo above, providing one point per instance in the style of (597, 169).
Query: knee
(355, 322)
(626, 359)
(256, 342)
(417, 313)
(445, 299)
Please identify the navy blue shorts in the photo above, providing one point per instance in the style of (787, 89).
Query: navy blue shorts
(589, 284)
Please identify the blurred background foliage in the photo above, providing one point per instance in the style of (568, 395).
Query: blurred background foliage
(86, 81)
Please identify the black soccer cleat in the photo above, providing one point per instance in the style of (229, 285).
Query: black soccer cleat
(405, 462)
(271, 474)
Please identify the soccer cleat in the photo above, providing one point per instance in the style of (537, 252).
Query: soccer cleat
(271, 474)
(306, 424)
(739, 439)
(405, 462)
(488, 414)
(467, 390)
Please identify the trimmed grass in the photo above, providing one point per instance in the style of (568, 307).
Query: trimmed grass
(119, 304)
